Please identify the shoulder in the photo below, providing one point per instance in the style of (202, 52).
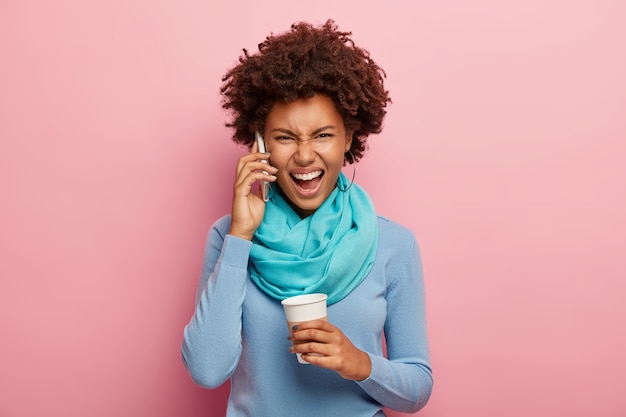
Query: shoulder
(391, 233)
(396, 243)
(398, 252)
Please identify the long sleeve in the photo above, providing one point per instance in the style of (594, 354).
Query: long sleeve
(403, 381)
(212, 339)
(237, 331)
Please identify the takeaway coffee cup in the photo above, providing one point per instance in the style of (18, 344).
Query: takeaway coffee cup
(304, 308)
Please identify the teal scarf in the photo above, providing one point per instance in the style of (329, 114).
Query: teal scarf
(330, 251)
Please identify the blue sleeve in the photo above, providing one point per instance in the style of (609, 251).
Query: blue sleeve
(212, 339)
(403, 380)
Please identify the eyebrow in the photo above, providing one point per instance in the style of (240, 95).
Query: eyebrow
(315, 132)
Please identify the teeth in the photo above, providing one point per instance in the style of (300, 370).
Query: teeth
(307, 177)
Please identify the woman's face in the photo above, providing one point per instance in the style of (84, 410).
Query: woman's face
(307, 140)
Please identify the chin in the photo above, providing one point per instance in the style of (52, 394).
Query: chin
(305, 209)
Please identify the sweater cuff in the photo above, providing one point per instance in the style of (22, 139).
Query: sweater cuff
(370, 382)
(235, 252)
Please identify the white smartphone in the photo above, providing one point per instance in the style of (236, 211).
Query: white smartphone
(265, 186)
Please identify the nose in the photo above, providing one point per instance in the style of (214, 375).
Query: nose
(305, 154)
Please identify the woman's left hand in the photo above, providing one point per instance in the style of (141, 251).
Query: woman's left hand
(337, 352)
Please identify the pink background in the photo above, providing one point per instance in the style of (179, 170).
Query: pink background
(504, 150)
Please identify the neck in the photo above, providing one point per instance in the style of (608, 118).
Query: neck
(299, 211)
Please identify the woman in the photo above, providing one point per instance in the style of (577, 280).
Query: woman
(315, 97)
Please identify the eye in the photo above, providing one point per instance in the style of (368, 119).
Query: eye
(284, 138)
(323, 137)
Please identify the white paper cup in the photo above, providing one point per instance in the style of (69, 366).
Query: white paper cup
(304, 308)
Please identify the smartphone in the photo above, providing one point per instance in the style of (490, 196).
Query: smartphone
(265, 186)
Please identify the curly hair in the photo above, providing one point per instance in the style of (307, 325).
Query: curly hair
(300, 63)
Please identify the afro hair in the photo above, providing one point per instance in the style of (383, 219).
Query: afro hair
(300, 63)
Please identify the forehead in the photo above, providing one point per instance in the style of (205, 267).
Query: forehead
(305, 113)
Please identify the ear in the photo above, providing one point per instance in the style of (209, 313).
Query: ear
(349, 135)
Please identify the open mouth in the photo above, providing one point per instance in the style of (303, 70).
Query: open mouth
(309, 181)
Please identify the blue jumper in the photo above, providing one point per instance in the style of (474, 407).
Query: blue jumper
(239, 332)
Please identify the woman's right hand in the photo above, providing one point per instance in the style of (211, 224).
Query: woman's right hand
(248, 208)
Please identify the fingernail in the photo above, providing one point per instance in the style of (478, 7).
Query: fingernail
(294, 327)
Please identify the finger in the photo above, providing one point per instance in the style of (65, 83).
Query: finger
(357, 369)
(317, 330)
(252, 157)
(243, 186)
(321, 361)
(251, 170)
(315, 336)
(349, 363)
(312, 348)
(315, 324)
(246, 159)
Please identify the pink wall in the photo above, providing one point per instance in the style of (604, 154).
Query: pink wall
(504, 151)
